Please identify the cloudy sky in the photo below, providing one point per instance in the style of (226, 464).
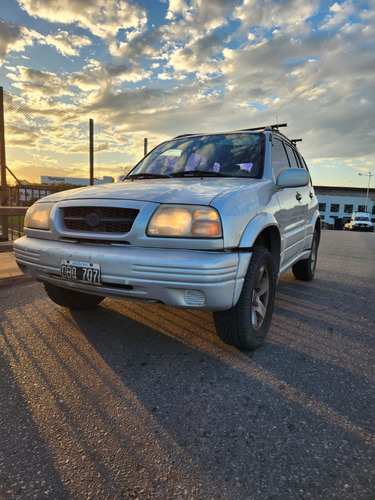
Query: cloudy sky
(159, 68)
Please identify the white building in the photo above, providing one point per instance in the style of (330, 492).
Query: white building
(336, 204)
(46, 179)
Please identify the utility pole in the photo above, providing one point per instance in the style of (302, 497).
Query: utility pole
(369, 175)
(91, 126)
(145, 147)
(4, 194)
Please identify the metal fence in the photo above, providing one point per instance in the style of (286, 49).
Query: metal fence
(25, 196)
(51, 140)
(11, 222)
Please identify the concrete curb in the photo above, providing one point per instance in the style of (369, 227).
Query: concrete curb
(6, 246)
(14, 280)
(10, 273)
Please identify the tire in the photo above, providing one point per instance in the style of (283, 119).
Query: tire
(247, 323)
(71, 298)
(304, 270)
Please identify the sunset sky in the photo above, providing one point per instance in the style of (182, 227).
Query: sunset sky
(159, 68)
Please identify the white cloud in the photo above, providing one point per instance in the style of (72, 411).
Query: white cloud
(138, 43)
(199, 14)
(68, 44)
(338, 15)
(38, 84)
(165, 76)
(98, 75)
(213, 14)
(104, 18)
(253, 13)
(197, 56)
(176, 8)
(14, 37)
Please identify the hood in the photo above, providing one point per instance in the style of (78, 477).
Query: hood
(189, 190)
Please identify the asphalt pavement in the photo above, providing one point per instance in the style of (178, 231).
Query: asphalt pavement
(133, 400)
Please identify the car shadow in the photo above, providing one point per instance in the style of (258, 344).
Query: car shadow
(27, 468)
(130, 394)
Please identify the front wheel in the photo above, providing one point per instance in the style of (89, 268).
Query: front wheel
(71, 298)
(305, 269)
(247, 323)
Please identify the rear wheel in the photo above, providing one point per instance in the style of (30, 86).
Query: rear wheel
(247, 323)
(305, 269)
(71, 298)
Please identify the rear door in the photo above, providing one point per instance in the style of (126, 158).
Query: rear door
(293, 204)
(303, 192)
(312, 207)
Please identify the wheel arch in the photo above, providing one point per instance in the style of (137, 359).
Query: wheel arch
(263, 230)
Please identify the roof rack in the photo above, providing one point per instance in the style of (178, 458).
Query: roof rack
(184, 135)
(273, 127)
(276, 127)
(295, 140)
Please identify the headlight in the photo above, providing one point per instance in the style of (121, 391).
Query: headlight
(37, 216)
(184, 221)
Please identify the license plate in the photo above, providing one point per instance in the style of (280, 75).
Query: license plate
(80, 271)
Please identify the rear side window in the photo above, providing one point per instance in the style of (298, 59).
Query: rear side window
(279, 158)
(292, 157)
(302, 161)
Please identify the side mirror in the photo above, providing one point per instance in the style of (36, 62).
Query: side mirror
(293, 177)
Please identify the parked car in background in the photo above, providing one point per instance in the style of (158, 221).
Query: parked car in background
(204, 221)
(361, 221)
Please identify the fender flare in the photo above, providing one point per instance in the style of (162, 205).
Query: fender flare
(255, 227)
(315, 222)
(272, 241)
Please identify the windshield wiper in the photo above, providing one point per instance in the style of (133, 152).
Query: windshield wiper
(146, 175)
(199, 173)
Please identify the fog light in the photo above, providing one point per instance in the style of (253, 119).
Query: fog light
(194, 298)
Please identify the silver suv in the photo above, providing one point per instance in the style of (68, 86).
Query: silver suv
(204, 221)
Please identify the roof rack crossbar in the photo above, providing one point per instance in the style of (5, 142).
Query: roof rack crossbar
(185, 135)
(275, 126)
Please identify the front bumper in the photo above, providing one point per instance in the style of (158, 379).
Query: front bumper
(362, 227)
(180, 278)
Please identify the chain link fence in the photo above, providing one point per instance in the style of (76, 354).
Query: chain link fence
(47, 148)
(53, 141)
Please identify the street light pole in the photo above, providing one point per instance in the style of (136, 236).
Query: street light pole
(369, 175)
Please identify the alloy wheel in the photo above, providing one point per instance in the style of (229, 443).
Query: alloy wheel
(260, 297)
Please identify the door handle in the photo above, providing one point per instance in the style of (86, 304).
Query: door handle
(299, 196)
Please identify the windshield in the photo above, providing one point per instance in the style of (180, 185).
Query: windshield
(229, 155)
(362, 217)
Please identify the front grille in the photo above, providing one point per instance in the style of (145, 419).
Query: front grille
(99, 219)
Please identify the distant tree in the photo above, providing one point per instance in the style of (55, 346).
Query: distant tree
(31, 201)
(62, 186)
